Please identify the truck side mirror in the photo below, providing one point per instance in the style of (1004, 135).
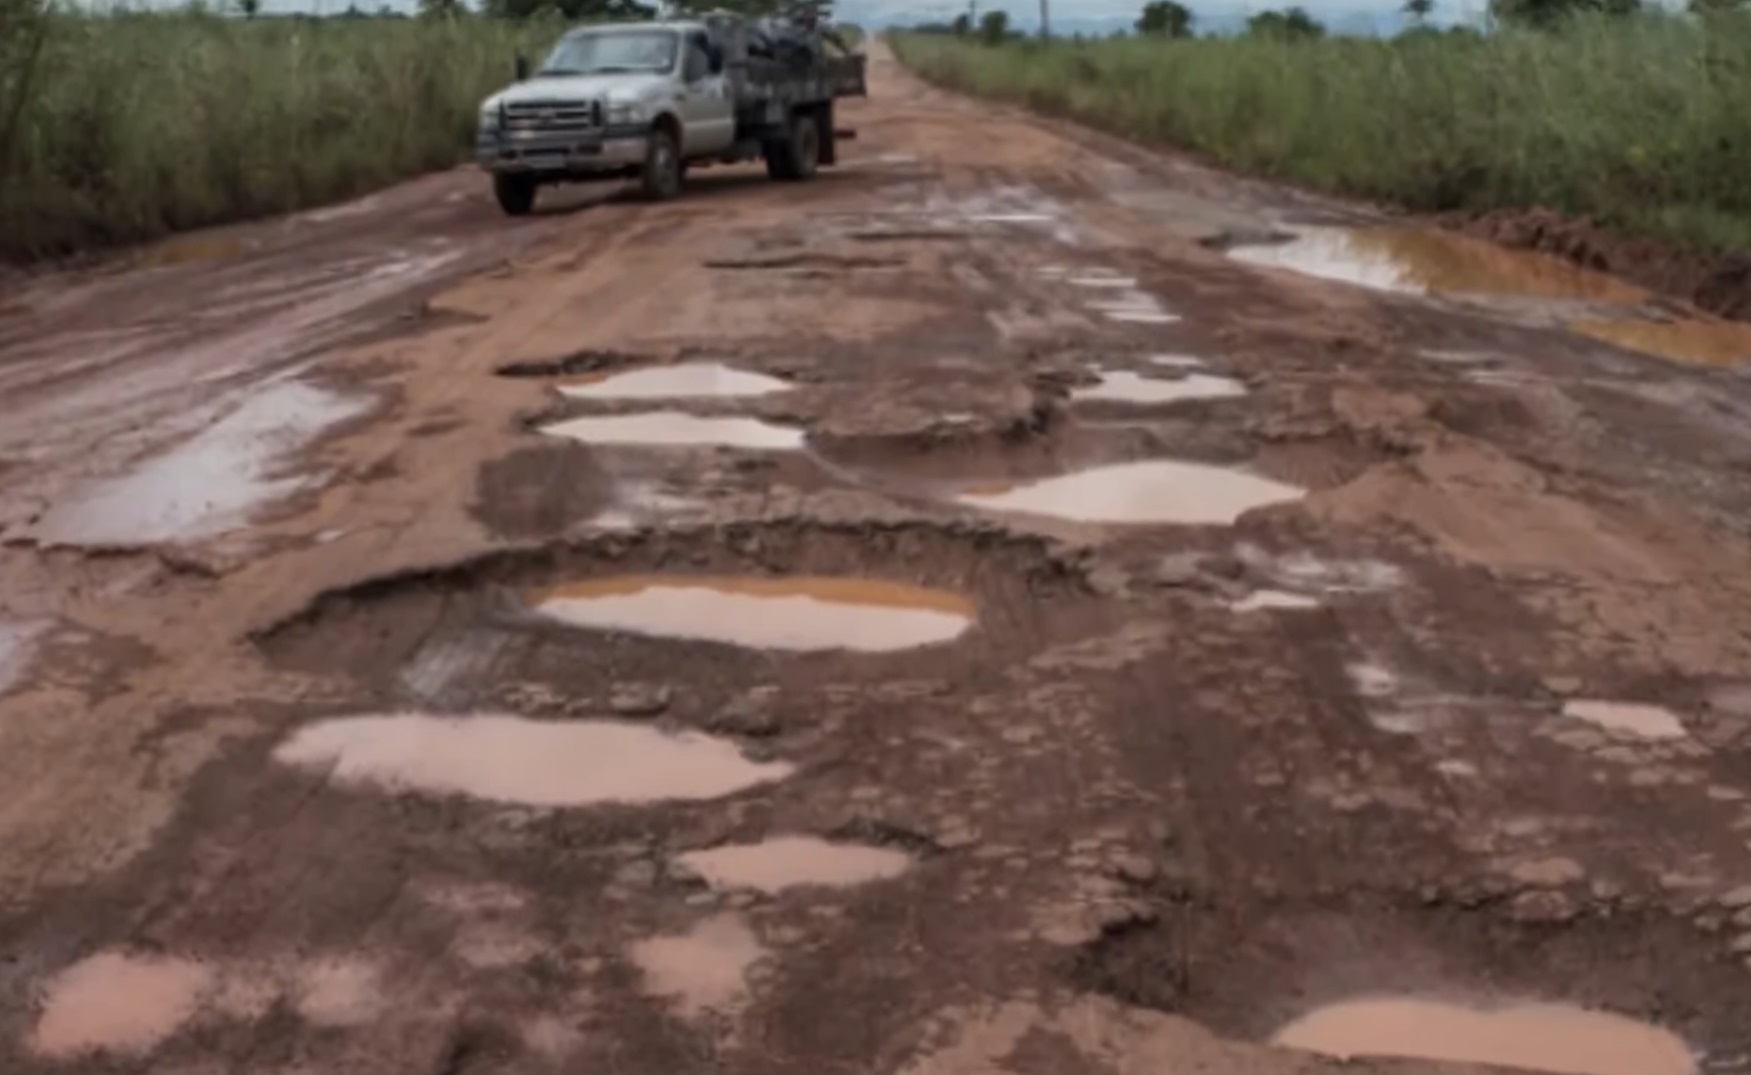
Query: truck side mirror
(522, 67)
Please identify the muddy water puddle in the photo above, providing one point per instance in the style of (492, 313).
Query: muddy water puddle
(799, 614)
(118, 1002)
(1155, 491)
(1703, 343)
(1123, 386)
(1630, 718)
(1281, 600)
(1432, 263)
(1538, 1037)
(782, 862)
(209, 483)
(704, 969)
(18, 644)
(508, 759)
(678, 429)
(687, 380)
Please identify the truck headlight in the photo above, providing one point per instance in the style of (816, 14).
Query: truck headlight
(489, 118)
(625, 113)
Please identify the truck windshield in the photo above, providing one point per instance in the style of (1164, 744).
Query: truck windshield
(611, 53)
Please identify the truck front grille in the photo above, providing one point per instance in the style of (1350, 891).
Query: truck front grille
(553, 117)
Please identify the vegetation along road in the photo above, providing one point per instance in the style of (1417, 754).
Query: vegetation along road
(1019, 603)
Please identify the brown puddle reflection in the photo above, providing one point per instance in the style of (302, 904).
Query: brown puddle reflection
(118, 1002)
(1540, 1037)
(783, 862)
(800, 613)
(704, 969)
(1703, 343)
(529, 762)
(1156, 491)
(1433, 262)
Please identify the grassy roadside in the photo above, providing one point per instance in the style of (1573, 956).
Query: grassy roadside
(139, 125)
(1641, 121)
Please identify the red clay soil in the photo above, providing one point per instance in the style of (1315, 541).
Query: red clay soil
(1720, 284)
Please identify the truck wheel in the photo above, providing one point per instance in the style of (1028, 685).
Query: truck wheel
(516, 193)
(660, 178)
(798, 157)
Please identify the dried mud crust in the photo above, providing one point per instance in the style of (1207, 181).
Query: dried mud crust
(461, 634)
(1244, 968)
(1720, 284)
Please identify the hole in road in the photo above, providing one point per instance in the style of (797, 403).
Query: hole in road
(782, 862)
(119, 1002)
(1633, 718)
(509, 759)
(1401, 976)
(683, 381)
(1155, 491)
(679, 429)
(1537, 1037)
(1124, 386)
(1705, 343)
(796, 613)
(1429, 262)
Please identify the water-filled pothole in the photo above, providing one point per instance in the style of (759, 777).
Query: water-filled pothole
(507, 759)
(704, 969)
(782, 862)
(1153, 491)
(799, 613)
(1632, 718)
(1124, 386)
(1431, 262)
(118, 1002)
(1531, 1036)
(678, 429)
(1260, 974)
(1704, 343)
(686, 380)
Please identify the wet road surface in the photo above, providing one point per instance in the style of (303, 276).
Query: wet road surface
(1015, 605)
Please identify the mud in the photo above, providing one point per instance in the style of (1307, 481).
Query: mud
(979, 727)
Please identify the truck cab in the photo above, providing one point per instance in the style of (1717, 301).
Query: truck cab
(647, 100)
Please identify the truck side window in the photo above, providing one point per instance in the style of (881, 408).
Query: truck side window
(698, 65)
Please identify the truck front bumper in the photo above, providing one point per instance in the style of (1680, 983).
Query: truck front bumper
(611, 149)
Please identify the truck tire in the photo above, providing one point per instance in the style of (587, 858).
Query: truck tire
(660, 178)
(515, 193)
(798, 156)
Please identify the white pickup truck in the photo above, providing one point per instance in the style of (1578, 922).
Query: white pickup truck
(648, 100)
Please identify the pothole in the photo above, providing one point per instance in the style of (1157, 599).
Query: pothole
(118, 1002)
(686, 380)
(1621, 987)
(18, 644)
(1430, 262)
(679, 429)
(576, 364)
(1632, 718)
(211, 482)
(1536, 1037)
(1260, 600)
(786, 613)
(1124, 386)
(1704, 343)
(507, 759)
(704, 969)
(782, 862)
(1155, 491)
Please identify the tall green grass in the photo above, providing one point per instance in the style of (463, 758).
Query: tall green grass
(138, 125)
(1644, 122)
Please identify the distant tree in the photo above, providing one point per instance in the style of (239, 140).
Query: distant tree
(442, 9)
(1541, 14)
(1290, 24)
(994, 27)
(1711, 7)
(1418, 11)
(1165, 18)
(249, 8)
(572, 10)
(962, 26)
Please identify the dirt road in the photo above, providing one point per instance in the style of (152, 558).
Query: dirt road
(1053, 634)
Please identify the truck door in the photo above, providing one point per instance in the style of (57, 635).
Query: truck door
(707, 110)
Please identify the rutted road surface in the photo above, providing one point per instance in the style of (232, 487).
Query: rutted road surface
(986, 611)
